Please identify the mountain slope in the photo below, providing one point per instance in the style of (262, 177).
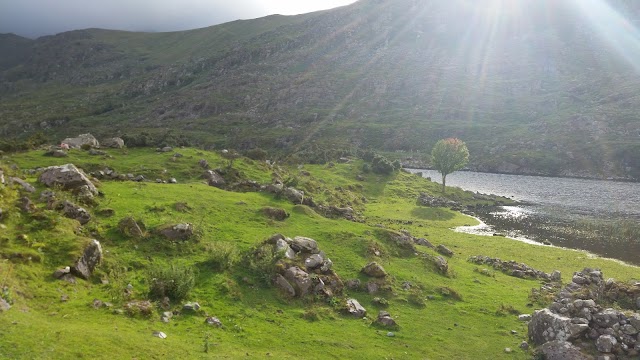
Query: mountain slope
(531, 86)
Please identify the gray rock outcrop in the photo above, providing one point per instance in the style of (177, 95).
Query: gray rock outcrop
(562, 350)
(68, 176)
(73, 211)
(177, 232)
(80, 140)
(299, 280)
(374, 269)
(355, 309)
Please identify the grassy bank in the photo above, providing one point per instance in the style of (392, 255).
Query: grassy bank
(461, 315)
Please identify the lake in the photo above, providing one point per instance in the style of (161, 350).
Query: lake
(599, 216)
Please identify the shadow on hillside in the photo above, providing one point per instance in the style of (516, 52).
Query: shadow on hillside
(425, 213)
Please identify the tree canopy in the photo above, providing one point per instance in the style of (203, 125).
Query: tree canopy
(449, 155)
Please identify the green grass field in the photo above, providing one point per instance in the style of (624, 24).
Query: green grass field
(467, 322)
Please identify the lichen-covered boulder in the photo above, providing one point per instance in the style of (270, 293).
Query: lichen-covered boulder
(562, 350)
(73, 211)
(68, 176)
(303, 244)
(90, 258)
(130, 227)
(214, 179)
(275, 213)
(80, 140)
(355, 309)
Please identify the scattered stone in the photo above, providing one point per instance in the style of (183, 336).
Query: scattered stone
(172, 180)
(166, 149)
(372, 287)
(61, 272)
(423, 242)
(68, 176)
(194, 306)
(25, 185)
(508, 350)
(73, 211)
(128, 226)
(354, 308)
(524, 345)
(353, 284)
(384, 319)
(524, 317)
(213, 321)
(203, 163)
(374, 269)
(90, 258)
(432, 201)
(166, 316)
(444, 250)
(391, 334)
(160, 334)
(511, 267)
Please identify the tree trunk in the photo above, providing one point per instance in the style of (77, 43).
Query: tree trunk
(444, 180)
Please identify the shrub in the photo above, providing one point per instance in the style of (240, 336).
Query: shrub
(381, 165)
(174, 282)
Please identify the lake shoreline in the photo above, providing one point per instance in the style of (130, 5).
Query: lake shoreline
(612, 179)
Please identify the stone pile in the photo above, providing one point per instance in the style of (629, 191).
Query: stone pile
(513, 268)
(577, 321)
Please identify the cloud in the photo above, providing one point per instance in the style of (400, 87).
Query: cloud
(34, 18)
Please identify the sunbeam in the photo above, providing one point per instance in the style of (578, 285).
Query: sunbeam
(613, 28)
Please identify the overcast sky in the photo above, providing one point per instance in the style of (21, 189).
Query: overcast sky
(33, 18)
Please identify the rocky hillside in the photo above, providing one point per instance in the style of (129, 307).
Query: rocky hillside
(531, 86)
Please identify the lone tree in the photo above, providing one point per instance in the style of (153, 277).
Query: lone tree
(449, 155)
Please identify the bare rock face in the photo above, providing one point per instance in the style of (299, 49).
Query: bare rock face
(83, 139)
(90, 258)
(68, 176)
(116, 143)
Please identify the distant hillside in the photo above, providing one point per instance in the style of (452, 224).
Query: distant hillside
(532, 86)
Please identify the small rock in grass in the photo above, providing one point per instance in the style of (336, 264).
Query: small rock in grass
(391, 334)
(160, 334)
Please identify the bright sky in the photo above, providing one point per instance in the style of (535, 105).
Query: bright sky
(33, 18)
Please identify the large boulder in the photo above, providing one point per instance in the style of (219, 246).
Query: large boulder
(547, 326)
(284, 286)
(562, 350)
(374, 269)
(116, 143)
(299, 279)
(80, 140)
(294, 195)
(68, 176)
(90, 258)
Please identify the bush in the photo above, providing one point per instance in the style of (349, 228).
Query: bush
(381, 165)
(174, 282)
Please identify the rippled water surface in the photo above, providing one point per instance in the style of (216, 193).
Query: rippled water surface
(574, 213)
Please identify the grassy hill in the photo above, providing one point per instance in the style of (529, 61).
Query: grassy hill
(467, 313)
(532, 87)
